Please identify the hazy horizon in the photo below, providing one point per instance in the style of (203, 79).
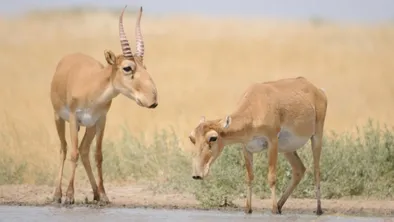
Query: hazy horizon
(350, 10)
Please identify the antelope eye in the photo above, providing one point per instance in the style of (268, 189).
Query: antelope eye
(127, 69)
(213, 139)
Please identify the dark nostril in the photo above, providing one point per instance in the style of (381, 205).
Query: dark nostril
(196, 177)
(153, 105)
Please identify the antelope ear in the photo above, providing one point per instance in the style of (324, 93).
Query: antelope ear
(202, 119)
(192, 136)
(192, 139)
(110, 57)
(226, 122)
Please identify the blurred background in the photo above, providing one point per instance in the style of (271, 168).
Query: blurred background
(365, 11)
(202, 56)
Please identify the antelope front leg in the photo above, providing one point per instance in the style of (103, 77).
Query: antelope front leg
(250, 176)
(74, 158)
(60, 127)
(272, 159)
(99, 159)
(84, 150)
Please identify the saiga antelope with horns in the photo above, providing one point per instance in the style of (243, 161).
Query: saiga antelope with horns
(280, 116)
(82, 90)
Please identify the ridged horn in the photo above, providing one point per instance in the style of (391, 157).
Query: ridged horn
(124, 43)
(139, 38)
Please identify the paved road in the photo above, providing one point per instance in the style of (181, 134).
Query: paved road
(75, 214)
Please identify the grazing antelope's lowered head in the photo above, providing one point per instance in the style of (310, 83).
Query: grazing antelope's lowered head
(129, 74)
(208, 145)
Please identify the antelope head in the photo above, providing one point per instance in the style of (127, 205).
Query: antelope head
(207, 145)
(129, 74)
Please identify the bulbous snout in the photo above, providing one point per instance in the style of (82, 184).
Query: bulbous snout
(200, 171)
(154, 105)
(147, 100)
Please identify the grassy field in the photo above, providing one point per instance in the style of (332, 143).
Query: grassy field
(201, 66)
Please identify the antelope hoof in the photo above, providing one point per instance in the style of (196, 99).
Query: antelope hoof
(69, 200)
(104, 199)
(57, 196)
(57, 199)
(319, 211)
(276, 210)
(248, 211)
(96, 197)
(280, 209)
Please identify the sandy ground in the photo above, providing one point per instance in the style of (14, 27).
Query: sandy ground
(139, 196)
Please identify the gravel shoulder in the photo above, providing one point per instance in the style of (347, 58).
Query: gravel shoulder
(137, 195)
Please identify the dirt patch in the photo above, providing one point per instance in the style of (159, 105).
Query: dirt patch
(138, 195)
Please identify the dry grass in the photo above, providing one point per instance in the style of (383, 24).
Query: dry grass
(200, 66)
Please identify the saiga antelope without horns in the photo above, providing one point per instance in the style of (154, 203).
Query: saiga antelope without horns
(82, 90)
(280, 116)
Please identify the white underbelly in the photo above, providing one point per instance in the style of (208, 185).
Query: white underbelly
(84, 116)
(257, 144)
(287, 142)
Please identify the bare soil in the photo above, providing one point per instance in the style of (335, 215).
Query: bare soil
(137, 195)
